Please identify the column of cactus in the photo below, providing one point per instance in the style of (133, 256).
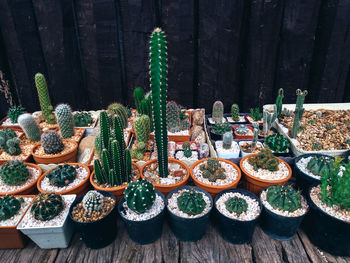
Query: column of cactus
(279, 99)
(255, 136)
(139, 95)
(235, 112)
(44, 98)
(268, 119)
(298, 112)
(120, 111)
(142, 126)
(227, 140)
(218, 111)
(30, 127)
(158, 82)
(65, 120)
(173, 116)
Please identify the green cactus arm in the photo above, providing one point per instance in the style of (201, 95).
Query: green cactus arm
(299, 110)
(128, 165)
(104, 129)
(138, 96)
(117, 162)
(98, 172)
(279, 103)
(44, 98)
(105, 161)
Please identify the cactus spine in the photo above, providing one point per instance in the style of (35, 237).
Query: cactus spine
(255, 136)
(158, 82)
(9, 206)
(227, 140)
(235, 112)
(218, 111)
(140, 196)
(93, 201)
(236, 205)
(283, 198)
(191, 202)
(117, 109)
(46, 206)
(278, 109)
(30, 127)
(299, 110)
(65, 120)
(268, 119)
(44, 98)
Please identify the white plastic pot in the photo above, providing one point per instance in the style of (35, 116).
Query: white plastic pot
(229, 155)
(245, 153)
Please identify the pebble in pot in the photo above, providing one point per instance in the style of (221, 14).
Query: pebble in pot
(189, 209)
(142, 210)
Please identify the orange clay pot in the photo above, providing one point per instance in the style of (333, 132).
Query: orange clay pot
(79, 190)
(10, 237)
(117, 191)
(254, 184)
(69, 156)
(165, 189)
(29, 189)
(213, 190)
(26, 159)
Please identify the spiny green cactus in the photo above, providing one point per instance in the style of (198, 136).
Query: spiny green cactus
(9, 206)
(256, 114)
(142, 126)
(227, 140)
(177, 119)
(268, 119)
(9, 142)
(51, 142)
(283, 198)
(139, 95)
(191, 202)
(212, 170)
(14, 112)
(277, 143)
(158, 82)
(93, 201)
(221, 128)
(117, 109)
(278, 104)
(186, 147)
(14, 172)
(298, 112)
(320, 165)
(235, 112)
(287, 113)
(62, 175)
(242, 129)
(264, 160)
(46, 206)
(65, 120)
(140, 196)
(44, 98)
(30, 127)
(255, 136)
(218, 111)
(236, 205)
(82, 119)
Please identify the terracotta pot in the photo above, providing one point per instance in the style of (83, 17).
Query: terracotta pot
(165, 189)
(213, 190)
(89, 163)
(26, 159)
(254, 184)
(29, 189)
(69, 156)
(10, 237)
(14, 127)
(241, 136)
(117, 191)
(79, 190)
(176, 138)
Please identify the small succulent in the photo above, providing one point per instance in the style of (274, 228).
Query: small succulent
(82, 119)
(47, 206)
(242, 129)
(256, 114)
(212, 170)
(14, 172)
(236, 205)
(14, 113)
(277, 143)
(140, 196)
(9, 206)
(62, 175)
(221, 128)
(186, 146)
(9, 142)
(191, 202)
(227, 140)
(264, 160)
(30, 127)
(283, 198)
(235, 112)
(320, 165)
(51, 142)
(287, 113)
(218, 111)
(93, 201)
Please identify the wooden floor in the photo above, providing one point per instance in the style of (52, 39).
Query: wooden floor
(212, 248)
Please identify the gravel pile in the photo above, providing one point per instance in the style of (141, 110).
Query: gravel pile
(280, 174)
(180, 156)
(13, 221)
(33, 176)
(220, 149)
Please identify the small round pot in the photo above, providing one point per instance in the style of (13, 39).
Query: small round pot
(242, 136)
(165, 189)
(29, 189)
(188, 229)
(117, 191)
(79, 190)
(68, 157)
(146, 231)
(100, 233)
(233, 230)
(277, 226)
(213, 190)
(327, 232)
(256, 185)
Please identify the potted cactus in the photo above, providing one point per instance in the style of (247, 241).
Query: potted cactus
(189, 208)
(218, 130)
(238, 212)
(30, 127)
(255, 116)
(268, 120)
(118, 110)
(278, 144)
(53, 149)
(142, 129)
(142, 210)
(284, 210)
(47, 222)
(235, 116)
(11, 120)
(227, 148)
(243, 132)
(250, 147)
(84, 119)
(187, 154)
(217, 114)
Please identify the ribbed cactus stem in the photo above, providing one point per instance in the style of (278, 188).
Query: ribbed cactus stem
(217, 112)
(44, 98)
(235, 112)
(299, 110)
(268, 119)
(30, 127)
(278, 105)
(227, 140)
(255, 136)
(139, 95)
(65, 120)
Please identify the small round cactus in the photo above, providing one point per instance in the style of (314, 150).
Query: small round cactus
(9, 142)
(9, 206)
(93, 202)
(62, 175)
(82, 119)
(65, 120)
(47, 206)
(30, 127)
(191, 202)
(15, 112)
(140, 196)
(14, 172)
(51, 142)
(227, 140)
(242, 129)
(320, 165)
(212, 170)
(264, 160)
(236, 205)
(283, 198)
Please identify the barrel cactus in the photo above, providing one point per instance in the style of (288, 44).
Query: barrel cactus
(30, 127)
(191, 202)
(14, 172)
(62, 175)
(320, 165)
(264, 160)
(14, 112)
(212, 170)
(9, 142)
(82, 119)
(51, 142)
(65, 120)
(44, 98)
(236, 205)
(93, 202)
(120, 111)
(218, 111)
(9, 206)
(235, 112)
(283, 198)
(227, 140)
(47, 206)
(140, 196)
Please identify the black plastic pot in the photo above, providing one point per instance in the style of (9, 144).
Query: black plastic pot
(147, 231)
(188, 229)
(327, 232)
(232, 230)
(277, 226)
(214, 136)
(241, 114)
(100, 233)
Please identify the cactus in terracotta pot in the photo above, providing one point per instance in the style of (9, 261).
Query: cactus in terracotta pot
(30, 127)
(65, 120)
(51, 142)
(9, 142)
(44, 98)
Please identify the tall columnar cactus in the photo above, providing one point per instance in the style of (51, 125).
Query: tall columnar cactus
(191, 202)
(47, 206)
(65, 120)
(140, 196)
(51, 142)
(158, 81)
(255, 136)
(9, 142)
(173, 116)
(30, 127)
(235, 112)
(236, 205)
(227, 140)
(142, 126)
(299, 110)
(117, 109)
(268, 119)
(218, 111)
(93, 201)
(44, 98)
(9, 206)
(14, 172)
(278, 105)
(139, 95)
(283, 198)
(14, 112)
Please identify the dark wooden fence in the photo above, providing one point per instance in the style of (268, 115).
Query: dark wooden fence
(94, 52)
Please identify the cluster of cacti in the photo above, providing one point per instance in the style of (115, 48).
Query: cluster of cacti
(158, 81)
(320, 165)
(217, 112)
(298, 112)
(235, 112)
(242, 129)
(142, 127)
(65, 120)
(268, 119)
(221, 128)
(176, 120)
(117, 109)
(82, 119)
(51, 142)
(227, 140)
(255, 136)
(9, 206)
(186, 147)
(277, 143)
(14, 112)
(212, 170)
(44, 98)
(264, 160)
(14, 172)
(256, 114)
(140, 196)
(30, 127)
(47, 206)
(287, 113)
(9, 142)
(236, 205)
(62, 175)
(114, 164)
(278, 108)
(191, 202)
(143, 103)
(283, 198)
(93, 202)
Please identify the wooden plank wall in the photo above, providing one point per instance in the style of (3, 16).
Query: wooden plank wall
(94, 52)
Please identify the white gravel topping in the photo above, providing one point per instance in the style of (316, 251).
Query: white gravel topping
(170, 179)
(193, 146)
(172, 205)
(29, 221)
(13, 221)
(213, 122)
(180, 156)
(302, 164)
(264, 174)
(220, 149)
(8, 122)
(299, 212)
(230, 172)
(34, 174)
(252, 212)
(241, 119)
(81, 175)
(155, 210)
